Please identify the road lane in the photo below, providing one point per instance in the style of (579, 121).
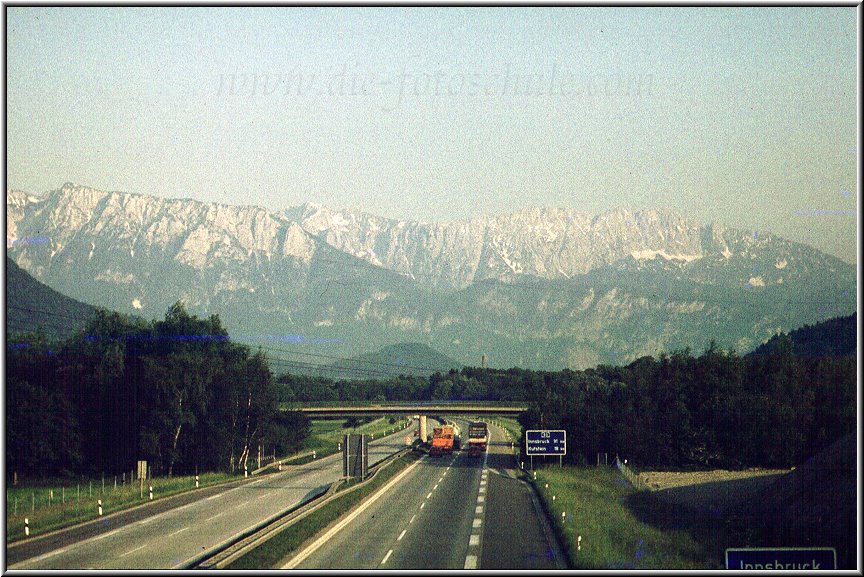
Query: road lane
(455, 512)
(424, 522)
(173, 538)
(517, 534)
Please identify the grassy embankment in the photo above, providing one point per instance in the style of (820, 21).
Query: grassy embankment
(53, 504)
(595, 501)
(597, 506)
(289, 541)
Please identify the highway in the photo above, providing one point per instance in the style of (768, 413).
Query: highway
(451, 512)
(173, 538)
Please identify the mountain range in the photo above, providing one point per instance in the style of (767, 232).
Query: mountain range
(540, 288)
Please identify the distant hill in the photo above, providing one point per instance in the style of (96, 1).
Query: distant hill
(414, 359)
(29, 304)
(832, 338)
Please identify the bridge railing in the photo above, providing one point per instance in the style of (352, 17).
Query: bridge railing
(397, 404)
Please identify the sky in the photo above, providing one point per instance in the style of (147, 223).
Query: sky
(740, 116)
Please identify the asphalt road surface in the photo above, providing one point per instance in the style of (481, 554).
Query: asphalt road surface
(172, 538)
(450, 512)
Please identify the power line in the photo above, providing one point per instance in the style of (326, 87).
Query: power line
(375, 363)
(50, 313)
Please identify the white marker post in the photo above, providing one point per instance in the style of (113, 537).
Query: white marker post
(314, 456)
(196, 481)
(151, 492)
(245, 471)
(26, 527)
(99, 505)
(579, 542)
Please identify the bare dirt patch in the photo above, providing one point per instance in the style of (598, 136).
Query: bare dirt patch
(708, 491)
(813, 505)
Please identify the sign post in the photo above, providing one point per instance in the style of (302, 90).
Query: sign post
(355, 456)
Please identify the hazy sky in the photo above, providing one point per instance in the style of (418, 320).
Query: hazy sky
(744, 116)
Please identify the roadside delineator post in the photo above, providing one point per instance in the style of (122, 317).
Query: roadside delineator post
(553, 498)
(99, 506)
(245, 471)
(578, 542)
(151, 492)
(26, 527)
(196, 481)
(314, 456)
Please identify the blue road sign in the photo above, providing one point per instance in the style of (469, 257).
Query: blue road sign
(782, 558)
(546, 442)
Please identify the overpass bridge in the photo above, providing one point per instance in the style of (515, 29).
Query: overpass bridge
(420, 408)
(343, 409)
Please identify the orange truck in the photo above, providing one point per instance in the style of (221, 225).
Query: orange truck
(444, 439)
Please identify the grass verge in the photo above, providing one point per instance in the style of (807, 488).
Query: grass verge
(326, 434)
(288, 541)
(594, 501)
(511, 425)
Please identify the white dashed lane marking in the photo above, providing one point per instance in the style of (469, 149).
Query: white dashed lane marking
(412, 519)
(474, 540)
(387, 556)
(429, 495)
(477, 523)
(402, 534)
(478, 510)
(178, 531)
(471, 562)
(133, 550)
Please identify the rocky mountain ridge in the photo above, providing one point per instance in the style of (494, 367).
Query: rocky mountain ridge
(362, 281)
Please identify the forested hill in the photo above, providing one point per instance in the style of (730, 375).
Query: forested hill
(416, 359)
(30, 304)
(833, 338)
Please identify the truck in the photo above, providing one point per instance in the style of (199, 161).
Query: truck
(478, 438)
(444, 439)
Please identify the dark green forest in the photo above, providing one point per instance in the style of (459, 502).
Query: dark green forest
(717, 409)
(178, 393)
(175, 392)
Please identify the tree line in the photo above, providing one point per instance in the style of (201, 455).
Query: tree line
(717, 409)
(174, 392)
(178, 393)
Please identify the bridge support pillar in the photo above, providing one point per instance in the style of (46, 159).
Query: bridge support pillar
(422, 428)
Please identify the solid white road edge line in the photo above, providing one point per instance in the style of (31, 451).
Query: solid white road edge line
(341, 525)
